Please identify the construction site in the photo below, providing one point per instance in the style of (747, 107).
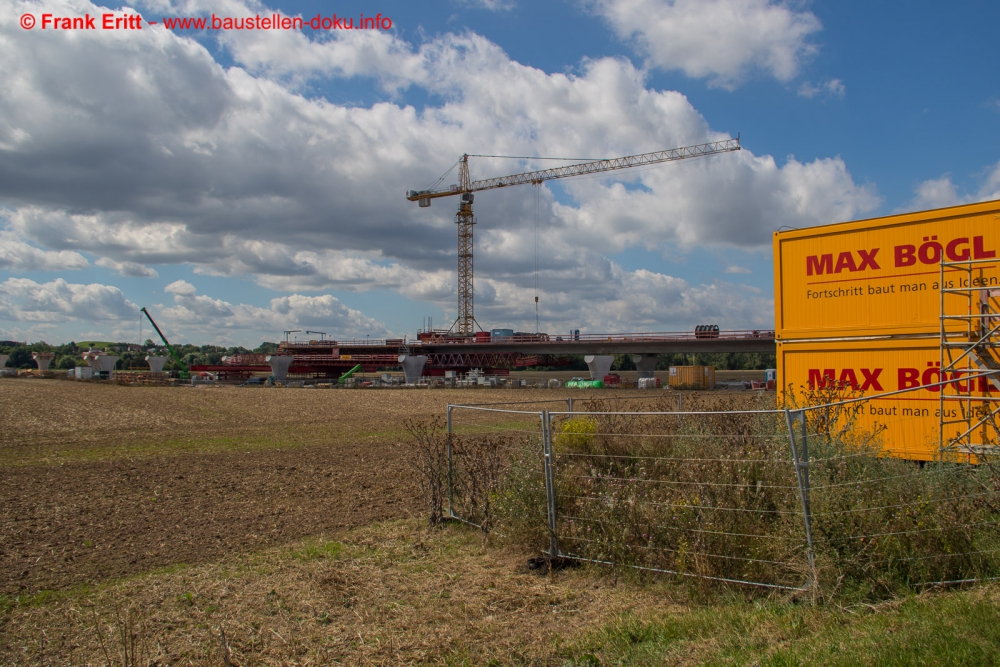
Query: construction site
(217, 514)
(477, 333)
(464, 348)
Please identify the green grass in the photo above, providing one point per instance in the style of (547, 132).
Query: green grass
(318, 550)
(94, 343)
(955, 628)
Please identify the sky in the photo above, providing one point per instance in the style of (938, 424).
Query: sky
(242, 183)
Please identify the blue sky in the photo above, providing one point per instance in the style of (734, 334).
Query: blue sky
(239, 184)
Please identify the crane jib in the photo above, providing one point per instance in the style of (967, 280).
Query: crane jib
(594, 167)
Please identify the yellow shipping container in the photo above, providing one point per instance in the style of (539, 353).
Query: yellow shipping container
(692, 377)
(880, 276)
(911, 421)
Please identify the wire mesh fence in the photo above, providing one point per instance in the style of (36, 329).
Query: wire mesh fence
(711, 494)
(770, 498)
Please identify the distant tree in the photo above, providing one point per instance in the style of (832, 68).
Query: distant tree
(266, 348)
(623, 362)
(20, 357)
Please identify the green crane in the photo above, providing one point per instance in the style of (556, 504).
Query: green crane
(185, 371)
(349, 374)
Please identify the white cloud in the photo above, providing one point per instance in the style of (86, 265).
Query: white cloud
(492, 5)
(181, 288)
(990, 188)
(235, 173)
(16, 255)
(941, 192)
(133, 269)
(721, 40)
(197, 316)
(831, 88)
(22, 299)
(737, 269)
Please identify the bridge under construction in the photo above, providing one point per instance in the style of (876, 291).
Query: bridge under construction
(433, 353)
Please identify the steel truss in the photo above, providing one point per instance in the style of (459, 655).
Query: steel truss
(970, 345)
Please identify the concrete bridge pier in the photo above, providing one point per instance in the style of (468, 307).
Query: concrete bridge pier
(599, 365)
(43, 359)
(279, 366)
(413, 366)
(645, 364)
(156, 363)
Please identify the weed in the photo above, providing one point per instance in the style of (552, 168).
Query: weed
(125, 640)
(318, 551)
(716, 497)
(431, 462)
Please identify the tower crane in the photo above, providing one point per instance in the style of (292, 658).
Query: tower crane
(466, 187)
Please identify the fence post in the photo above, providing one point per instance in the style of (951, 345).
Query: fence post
(569, 405)
(802, 478)
(550, 483)
(678, 401)
(451, 487)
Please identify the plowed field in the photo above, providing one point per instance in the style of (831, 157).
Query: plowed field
(100, 481)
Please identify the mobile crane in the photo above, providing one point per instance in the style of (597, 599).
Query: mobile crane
(185, 372)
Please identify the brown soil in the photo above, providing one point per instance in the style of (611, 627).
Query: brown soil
(99, 481)
(83, 523)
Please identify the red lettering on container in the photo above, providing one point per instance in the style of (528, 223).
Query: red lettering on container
(908, 378)
(977, 249)
(821, 381)
(868, 259)
(819, 265)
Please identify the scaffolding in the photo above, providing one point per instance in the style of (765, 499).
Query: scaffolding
(970, 345)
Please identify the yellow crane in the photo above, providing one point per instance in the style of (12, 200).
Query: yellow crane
(465, 324)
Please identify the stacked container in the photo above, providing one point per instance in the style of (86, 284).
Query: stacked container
(860, 304)
(691, 377)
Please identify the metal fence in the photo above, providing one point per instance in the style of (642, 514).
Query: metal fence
(776, 499)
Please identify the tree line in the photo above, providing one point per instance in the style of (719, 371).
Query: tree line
(131, 356)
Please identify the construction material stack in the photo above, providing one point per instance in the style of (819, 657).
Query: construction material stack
(900, 302)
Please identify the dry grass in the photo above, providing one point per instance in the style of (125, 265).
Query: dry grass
(395, 593)
(401, 593)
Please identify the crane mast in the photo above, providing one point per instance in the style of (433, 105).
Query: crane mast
(466, 321)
